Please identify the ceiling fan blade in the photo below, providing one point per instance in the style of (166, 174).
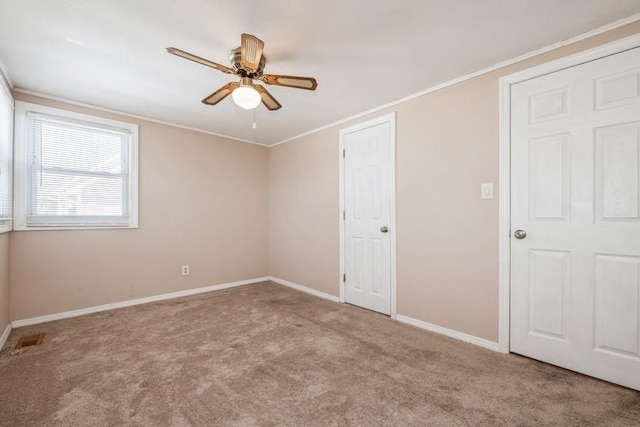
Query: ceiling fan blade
(251, 52)
(297, 82)
(187, 55)
(267, 99)
(220, 94)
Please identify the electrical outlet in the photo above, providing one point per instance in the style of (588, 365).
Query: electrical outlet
(185, 270)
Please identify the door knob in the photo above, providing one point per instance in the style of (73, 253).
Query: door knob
(520, 234)
(384, 229)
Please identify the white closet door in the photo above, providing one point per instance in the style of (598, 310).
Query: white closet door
(575, 276)
(368, 198)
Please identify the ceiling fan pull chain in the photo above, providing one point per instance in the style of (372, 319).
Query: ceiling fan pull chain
(253, 126)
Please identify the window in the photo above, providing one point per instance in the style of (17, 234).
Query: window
(74, 170)
(6, 157)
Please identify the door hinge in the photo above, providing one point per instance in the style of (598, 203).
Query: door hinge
(344, 215)
(344, 153)
(344, 278)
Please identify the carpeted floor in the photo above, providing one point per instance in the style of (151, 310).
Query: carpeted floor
(266, 355)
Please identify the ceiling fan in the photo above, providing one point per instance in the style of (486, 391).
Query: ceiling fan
(248, 62)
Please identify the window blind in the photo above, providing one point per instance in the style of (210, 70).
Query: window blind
(6, 156)
(78, 173)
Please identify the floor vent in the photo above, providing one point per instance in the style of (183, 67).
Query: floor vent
(29, 340)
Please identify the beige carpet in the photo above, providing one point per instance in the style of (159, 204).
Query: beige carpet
(265, 355)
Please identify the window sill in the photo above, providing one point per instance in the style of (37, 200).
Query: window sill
(6, 226)
(79, 227)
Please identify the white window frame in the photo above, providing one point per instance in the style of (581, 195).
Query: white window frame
(21, 162)
(6, 225)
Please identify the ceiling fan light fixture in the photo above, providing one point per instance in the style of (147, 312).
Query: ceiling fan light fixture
(245, 96)
(247, 62)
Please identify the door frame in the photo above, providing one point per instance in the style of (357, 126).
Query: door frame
(504, 150)
(391, 119)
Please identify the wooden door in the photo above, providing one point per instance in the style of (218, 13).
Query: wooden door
(368, 198)
(575, 191)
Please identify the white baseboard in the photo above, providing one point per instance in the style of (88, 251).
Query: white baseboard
(81, 312)
(129, 303)
(5, 336)
(449, 332)
(400, 318)
(305, 289)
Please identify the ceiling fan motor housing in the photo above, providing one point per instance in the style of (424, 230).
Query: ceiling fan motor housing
(235, 58)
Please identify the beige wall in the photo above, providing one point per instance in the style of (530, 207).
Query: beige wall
(447, 145)
(303, 212)
(202, 201)
(4, 281)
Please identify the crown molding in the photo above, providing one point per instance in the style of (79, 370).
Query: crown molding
(133, 116)
(567, 42)
(537, 52)
(6, 85)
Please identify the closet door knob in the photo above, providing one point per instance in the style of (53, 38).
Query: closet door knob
(520, 234)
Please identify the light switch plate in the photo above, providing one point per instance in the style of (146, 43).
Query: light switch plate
(486, 190)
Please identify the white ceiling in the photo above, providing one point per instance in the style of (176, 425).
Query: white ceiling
(111, 53)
